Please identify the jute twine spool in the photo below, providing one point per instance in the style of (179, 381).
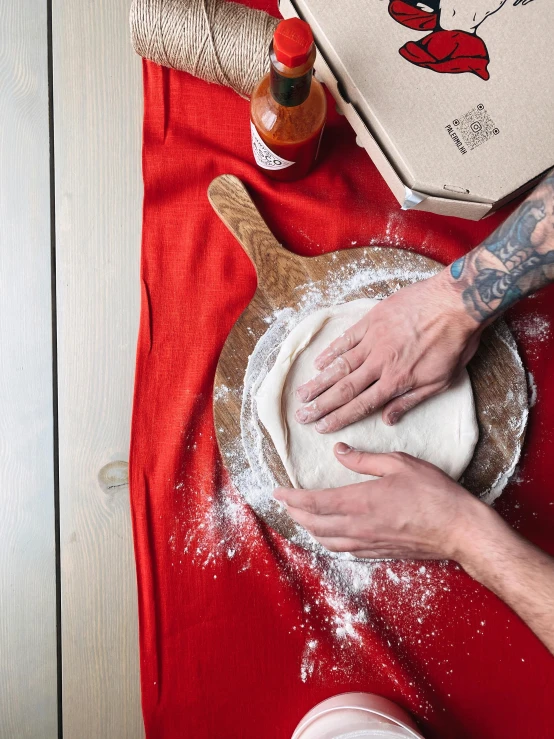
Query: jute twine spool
(215, 40)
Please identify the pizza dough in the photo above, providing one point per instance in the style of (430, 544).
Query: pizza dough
(442, 430)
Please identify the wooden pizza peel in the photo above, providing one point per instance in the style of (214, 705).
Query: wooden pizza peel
(498, 377)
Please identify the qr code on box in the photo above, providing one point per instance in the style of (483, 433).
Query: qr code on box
(475, 127)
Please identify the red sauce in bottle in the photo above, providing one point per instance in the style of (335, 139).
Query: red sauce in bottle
(288, 106)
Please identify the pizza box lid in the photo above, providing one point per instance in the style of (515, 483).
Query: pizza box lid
(453, 99)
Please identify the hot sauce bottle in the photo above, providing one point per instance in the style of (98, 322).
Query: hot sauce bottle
(288, 105)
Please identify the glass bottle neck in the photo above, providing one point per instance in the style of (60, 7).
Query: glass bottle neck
(286, 88)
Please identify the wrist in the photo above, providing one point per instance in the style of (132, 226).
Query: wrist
(450, 294)
(482, 541)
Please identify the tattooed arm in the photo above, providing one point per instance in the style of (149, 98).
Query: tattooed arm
(415, 343)
(516, 260)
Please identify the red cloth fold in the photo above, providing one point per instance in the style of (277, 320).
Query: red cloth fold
(228, 609)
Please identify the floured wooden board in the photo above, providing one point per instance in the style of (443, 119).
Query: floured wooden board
(290, 287)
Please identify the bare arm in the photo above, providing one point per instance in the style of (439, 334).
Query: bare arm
(415, 343)
(415, 511)
(519, 573)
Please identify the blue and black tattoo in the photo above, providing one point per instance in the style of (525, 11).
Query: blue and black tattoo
(514, 261)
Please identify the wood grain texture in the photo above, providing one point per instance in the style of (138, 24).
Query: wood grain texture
(28, 700)
(498, 379)
(97, 117)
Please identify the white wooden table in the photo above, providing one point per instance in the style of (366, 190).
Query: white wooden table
(70, 216)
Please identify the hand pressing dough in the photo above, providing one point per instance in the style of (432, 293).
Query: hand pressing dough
(442, 430)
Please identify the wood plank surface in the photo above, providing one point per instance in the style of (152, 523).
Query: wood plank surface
(28, 693)
(97, 120)
(284, 280)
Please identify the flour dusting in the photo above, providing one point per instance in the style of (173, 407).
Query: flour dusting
(532, 331)
(221, 392)
(348, 606)
(532, 390)
(532, 327)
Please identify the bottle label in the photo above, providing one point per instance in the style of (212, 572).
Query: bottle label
(265, 158)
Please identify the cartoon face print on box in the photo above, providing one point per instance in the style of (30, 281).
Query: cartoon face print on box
(453, 46)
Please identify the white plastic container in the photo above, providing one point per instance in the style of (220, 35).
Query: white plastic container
(356, 716)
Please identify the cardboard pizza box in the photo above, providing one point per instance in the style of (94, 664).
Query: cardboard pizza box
(453, 100)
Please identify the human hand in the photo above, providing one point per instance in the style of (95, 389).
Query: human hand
(413, 511)
(408, 348)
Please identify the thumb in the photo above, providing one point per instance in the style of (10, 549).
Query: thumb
(398, 407)
(366, 463)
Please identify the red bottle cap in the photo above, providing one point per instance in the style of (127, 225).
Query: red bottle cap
(292, 42)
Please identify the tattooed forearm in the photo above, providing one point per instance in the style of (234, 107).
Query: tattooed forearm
(516, 260)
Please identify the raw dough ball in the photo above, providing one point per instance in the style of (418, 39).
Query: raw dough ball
(442, 430)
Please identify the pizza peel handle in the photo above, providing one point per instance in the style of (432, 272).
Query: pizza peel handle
(277, 268)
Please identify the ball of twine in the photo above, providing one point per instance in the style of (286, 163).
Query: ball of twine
(215, 40)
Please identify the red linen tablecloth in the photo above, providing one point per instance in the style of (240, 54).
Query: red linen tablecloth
(241, 633)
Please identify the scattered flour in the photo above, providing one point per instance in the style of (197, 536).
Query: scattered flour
(532, 390)
(532, 331)
(307, 664)
(349, 608)
(347, 604)
(532, 327)
(221, 392)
